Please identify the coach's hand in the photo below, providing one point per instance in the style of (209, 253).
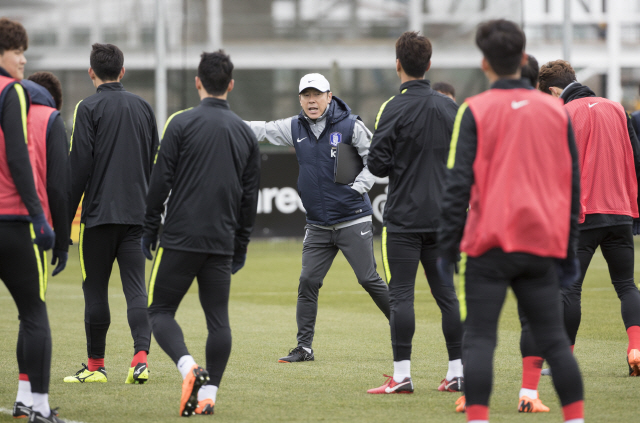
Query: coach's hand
(568, 271)
(636, 226)
(148, 243)
(60, 257)
(239, 257)
(43, 232)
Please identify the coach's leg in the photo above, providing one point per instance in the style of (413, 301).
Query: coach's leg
(131, 262)
(538, 294)
(356, 243)
(617, 249)
(214, 281)
(571, 297)
(318, 252)
(97, 253)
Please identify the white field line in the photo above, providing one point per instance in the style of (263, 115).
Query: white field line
(10, 412)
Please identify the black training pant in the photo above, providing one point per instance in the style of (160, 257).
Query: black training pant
(535, 283)
(616, 244)
(100, 246)
(172, 275)
(402, 252)
(23, 271)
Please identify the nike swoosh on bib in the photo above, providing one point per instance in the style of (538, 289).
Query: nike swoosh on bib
(518, 104)
(300, 139)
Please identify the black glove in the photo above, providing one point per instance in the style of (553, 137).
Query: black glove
(44, 234)
(61, 257)
(568, 271)
(239, 257)
(636, 226)
(148, 243)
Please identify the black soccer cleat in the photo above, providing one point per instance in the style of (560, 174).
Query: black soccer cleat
(36, 417)
(297, 354)
(20, 410)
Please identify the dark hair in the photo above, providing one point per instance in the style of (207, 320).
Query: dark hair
(502, 44)
(51, 83)
(558, 73)
(414, 52)
(445, 88)
(13, 36)
(530, 70)
(106, 61)
(215, 72)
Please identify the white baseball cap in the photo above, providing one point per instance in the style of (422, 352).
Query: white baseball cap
(314, 80)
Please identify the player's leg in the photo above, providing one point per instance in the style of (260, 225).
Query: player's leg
(23, 272)
(445, 295)
(131, 262)
(97, 249)
(403, 256)
(171, 276)
(356, 243)
(587, 244)
(214, 282)
(484, 281)
(539, 296)
(318, 252)
(617, 249)
(531, 368)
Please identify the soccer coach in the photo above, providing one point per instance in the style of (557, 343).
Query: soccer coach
(210, 162)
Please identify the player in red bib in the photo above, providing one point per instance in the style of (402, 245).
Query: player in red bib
(520, 183)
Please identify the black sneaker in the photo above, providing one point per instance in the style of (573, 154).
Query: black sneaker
(297, 354)
(20, 410)
(36, 417)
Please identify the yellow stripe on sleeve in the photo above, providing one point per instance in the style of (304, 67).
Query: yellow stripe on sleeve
(455, 135)
(23, 110)
(154, 274)
(165, 130)
(375, 127)
(73, 129)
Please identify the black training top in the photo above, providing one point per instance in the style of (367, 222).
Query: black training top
(411, 146)
(113, 143)
(209, 161)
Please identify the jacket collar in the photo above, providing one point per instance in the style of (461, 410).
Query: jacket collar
(4, 72)
(415, 83)
(576, 90)
(110, 86)
(214, 102)
(507, 84)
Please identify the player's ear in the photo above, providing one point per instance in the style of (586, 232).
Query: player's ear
(198, 83)
(231, 85)
(428, 67)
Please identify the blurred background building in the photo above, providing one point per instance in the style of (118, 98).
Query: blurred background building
(274, 42)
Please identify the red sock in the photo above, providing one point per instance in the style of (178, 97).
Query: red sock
(477, 412)
(634, 338)
(140, 357)
(24, 377)
(575, 410)
(531, 367)
(95, 363)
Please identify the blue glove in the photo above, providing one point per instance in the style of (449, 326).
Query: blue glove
(61, 257)
(239, 257)
(148, 243)
(568, 271)
(44, 234)
(636, 226)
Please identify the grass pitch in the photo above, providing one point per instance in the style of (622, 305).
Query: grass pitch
(352, 349)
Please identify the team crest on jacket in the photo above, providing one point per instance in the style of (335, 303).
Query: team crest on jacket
(335, 138)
